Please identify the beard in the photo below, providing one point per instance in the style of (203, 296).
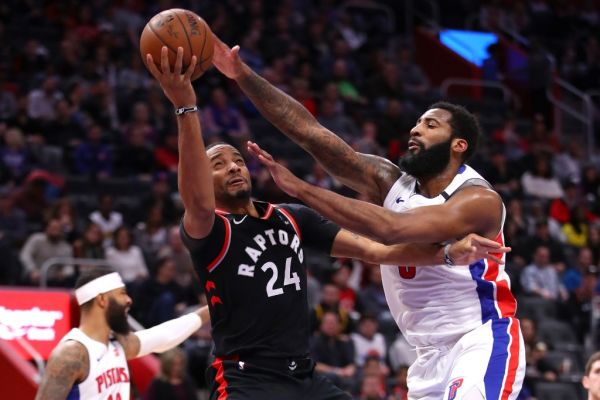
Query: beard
(116, 317)
(427, 162)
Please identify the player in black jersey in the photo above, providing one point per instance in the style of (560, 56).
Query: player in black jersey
(249, 257)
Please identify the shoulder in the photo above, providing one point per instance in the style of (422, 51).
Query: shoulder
(71, 358)
(476, 193)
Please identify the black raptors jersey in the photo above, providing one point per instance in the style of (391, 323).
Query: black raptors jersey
(254, 276)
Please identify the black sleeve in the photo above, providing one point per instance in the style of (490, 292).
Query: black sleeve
(215, 238)
(317, 232)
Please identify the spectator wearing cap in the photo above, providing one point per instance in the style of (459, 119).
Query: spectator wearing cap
(367, 341)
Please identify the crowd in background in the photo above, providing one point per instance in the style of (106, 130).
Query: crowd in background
(88, 161)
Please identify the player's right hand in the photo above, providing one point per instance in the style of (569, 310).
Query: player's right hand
(176, 85)
(474, 247)
(227, 60)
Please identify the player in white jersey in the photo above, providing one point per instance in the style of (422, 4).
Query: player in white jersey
(461, 318)
(90, 362)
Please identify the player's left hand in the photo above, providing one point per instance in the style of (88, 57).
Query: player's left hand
(474, 247)
(282, 176)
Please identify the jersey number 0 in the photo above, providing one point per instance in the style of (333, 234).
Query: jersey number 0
(407, 272)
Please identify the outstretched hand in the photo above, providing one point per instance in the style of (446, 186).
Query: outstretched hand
(282, 176)
(227, 60)
(176, 84)
(474, 247)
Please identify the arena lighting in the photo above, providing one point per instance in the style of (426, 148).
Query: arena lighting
(41, 318)
(471, 45)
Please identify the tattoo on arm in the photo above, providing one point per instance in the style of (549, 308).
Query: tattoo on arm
(69, 366)
(359, 172)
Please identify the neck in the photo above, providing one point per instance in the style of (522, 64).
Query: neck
(434, 185)
(94, 325)
(242, 207)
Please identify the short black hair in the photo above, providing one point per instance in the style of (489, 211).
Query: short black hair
(464, 125)
(215, 144)
(91, 274)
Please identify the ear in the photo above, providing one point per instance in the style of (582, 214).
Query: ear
(459, 145)
(102, 300)
(586, 382)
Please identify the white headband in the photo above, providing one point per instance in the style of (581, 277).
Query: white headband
(104, 284)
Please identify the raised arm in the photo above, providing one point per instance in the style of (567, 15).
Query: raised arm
(471, 210)
(69, 364)
(194, 172)
(366, 174)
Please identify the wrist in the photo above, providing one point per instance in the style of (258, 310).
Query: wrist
(245, 72)
(448, 260)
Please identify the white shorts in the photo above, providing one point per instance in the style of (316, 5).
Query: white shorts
(489, 359)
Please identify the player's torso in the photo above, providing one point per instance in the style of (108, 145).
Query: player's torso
(108, 377)
(437, 304)
(257, 290)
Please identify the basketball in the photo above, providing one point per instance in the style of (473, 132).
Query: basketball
(178, 28)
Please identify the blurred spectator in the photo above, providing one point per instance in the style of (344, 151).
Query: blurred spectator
(42, 101)
(590, 183)
(401, 353)
(176, 250)
(541, 279)
(492, 65)
(372, 388)
(151, 235)
(14, 155)
(35, 194)
(13, 225)
(136, 157)
(42, 246)
(594, 243)
(341, 278)
(337, 122)
(159, 298)
(301, 92)
(90, 245)
(139, 128)
(222, 119)
(63, 210)
(167, 154)
(172, 381)
(92, 157)
(8, 101)
(126, 258)
(539, 181)
(367, 143)
(371, 298)
(161, 196)
(399, 390)
(502, 174)
(333, 352)
(414, 81)
(560, 208)
(567, 164)
(367, 341)
(576, 229)
(509, 139)
(330, 302)
(108, 219)
(65, 130)
(319, 177)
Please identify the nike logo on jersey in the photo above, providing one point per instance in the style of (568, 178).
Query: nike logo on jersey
(293, 366)
(235, 221)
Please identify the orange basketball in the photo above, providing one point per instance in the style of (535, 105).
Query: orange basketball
(178, 28)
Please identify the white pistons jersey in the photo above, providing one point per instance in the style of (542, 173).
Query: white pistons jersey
(438, 304)
(108, 377)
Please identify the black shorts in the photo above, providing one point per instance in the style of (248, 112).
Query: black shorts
(265, 379)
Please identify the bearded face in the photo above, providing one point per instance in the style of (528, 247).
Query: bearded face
(116, 316)
(424, 163)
